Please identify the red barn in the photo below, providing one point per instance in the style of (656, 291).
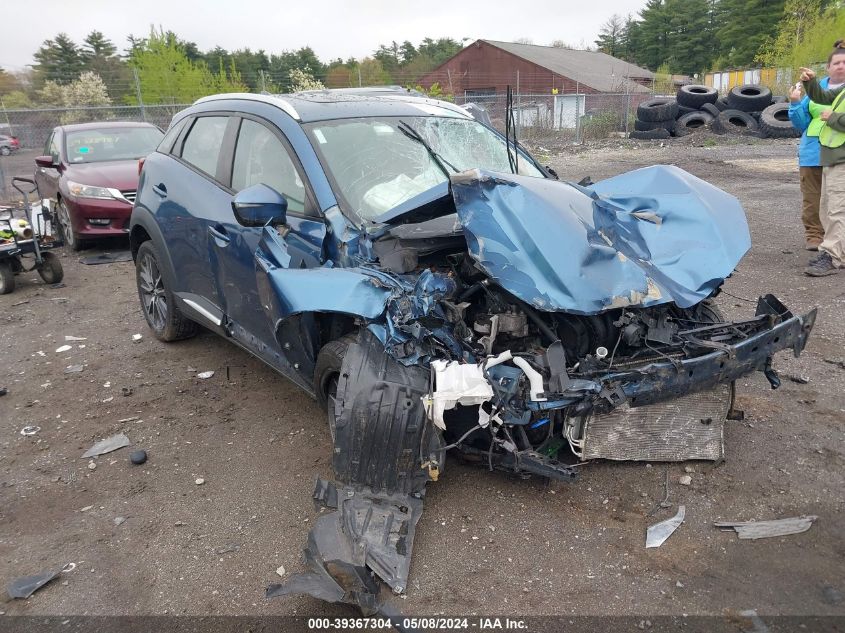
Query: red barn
(483, 70)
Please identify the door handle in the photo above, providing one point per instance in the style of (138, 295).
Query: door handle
(160, 189)
(218, 232)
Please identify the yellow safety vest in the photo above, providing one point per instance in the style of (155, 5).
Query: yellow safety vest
(816, 124)
(828, 136)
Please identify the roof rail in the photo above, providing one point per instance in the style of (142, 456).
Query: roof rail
(274, 100)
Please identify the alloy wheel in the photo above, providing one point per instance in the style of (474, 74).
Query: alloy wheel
(151, 286)
(67, 228)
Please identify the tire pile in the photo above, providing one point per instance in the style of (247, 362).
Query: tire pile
(747, 109)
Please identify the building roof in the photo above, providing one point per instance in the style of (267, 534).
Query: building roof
(595, 69)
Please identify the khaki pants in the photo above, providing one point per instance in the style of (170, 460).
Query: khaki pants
(832, 213)
(811, 192)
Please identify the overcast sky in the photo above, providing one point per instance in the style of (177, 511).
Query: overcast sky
(333, 28)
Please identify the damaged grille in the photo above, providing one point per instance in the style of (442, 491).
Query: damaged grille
(688, 427)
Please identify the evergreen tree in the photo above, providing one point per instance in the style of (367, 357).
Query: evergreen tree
(653, 34)
(690, 42)
(744, 27)
(58, 60)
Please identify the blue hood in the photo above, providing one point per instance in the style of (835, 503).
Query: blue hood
(646, 237)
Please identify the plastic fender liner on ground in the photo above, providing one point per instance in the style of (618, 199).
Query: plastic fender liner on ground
(658, 109)
(694, 96)
(385, 451)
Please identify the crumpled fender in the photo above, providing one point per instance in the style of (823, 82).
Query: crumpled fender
(647, 237)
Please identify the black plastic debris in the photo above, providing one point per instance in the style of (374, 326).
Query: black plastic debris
(25, 586)
(107, 258)
(3, 391)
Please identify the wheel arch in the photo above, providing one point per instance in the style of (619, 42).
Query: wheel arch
(144, 228)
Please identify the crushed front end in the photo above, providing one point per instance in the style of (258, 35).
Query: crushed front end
(537, 326)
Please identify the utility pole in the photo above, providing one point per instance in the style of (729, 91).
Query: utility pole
(359, 74)
(138, 93)
(263, 81)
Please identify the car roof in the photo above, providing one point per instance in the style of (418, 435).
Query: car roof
(322, 105)
(98, 125)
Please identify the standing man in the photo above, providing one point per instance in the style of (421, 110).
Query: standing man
(831, 255)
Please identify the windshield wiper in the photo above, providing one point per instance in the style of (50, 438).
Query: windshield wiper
(441, 162)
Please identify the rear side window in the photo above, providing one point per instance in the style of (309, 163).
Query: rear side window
(202, 146)
(170, 137)
(261, 157)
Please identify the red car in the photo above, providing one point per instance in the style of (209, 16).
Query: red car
(9, 144)
(90, 173)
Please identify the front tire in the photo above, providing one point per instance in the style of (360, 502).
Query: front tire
(157, 301)
(327, 368)
(5, 151)
(70, 238)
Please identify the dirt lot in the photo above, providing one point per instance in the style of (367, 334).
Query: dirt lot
(486, 543)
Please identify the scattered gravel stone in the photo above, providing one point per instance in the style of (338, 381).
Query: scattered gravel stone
(686, 480)
(138, 457)
(199, 481)
(281, 570)
(92, 465)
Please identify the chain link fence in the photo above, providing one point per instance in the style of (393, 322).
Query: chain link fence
(541, 119)
(33, 127)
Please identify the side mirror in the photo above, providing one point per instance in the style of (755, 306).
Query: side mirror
(260, 205)
(46, 161)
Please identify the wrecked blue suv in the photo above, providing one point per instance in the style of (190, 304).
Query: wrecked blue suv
(435, 288)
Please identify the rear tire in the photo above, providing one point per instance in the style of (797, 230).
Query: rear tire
(7, 278)
(157, 301)
(51, 270)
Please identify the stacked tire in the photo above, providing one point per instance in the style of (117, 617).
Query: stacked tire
(700, 101)
(747, 109)
(753, 110)
(655, 119)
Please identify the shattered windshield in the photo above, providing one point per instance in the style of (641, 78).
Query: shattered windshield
(376, 167)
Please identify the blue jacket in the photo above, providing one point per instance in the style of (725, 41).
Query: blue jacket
(799, 114)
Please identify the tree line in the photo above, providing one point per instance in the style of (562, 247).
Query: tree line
(696, 36)
(669, 36)
(164, 68)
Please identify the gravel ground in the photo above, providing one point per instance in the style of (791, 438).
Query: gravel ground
(487, 543)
